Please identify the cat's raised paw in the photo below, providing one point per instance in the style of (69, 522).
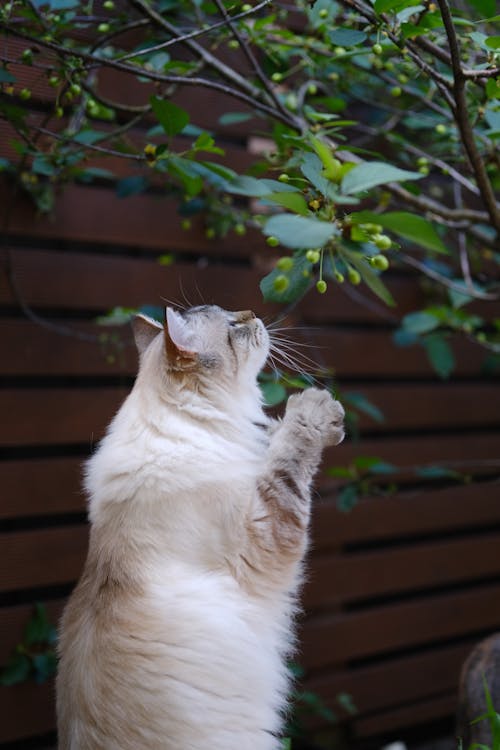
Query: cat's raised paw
(317, 412)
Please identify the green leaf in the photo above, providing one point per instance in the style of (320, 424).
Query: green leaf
(420, 322)
(493, 42)
(382, 6)
(371, 279)
(374, 465)
(273, 392)
(370, 174)
(485, 7)
(134, 185)
(347, 498)
(410, 226)
(299, 279)
(16, 670)
(172, 118)
(205, 142)
(364, 405)
(346, 37)
(440, 354)
(436, 472)
(293, 201)
(234, 118)
(340, 472)
(6, 76)
(300, 231)
(39, 629)
(44, 666)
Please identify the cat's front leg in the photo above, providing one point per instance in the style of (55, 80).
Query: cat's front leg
(313, 420)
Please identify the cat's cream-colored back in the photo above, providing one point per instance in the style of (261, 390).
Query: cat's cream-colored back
(177, 634)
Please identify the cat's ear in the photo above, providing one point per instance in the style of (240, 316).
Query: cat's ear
(145, 330)
(181, 354)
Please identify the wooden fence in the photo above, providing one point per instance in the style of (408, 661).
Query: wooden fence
(399, 588)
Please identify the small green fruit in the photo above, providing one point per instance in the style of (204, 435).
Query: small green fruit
(339, 277)
(277, 77)
(59, 112)
(240, 229)
(103, 28)
(285, 263)
(441, 128)
(281, 283)
(186, 224)
(323, 13)
(396, 91)
(75, 89)
(339, 51)
(313, 256)
(377, 49)
(380, 262)
(25, 94)
(54, 81)
(402, 78)
(246, 7)
(312, 89)
(353, 276)
(27, 56)
(210, 233)
(284, 177)
(321, 286)
(273, 241)
(108, 5)
(233, 44)
(424, 170)
(382, 241)
(422, 161)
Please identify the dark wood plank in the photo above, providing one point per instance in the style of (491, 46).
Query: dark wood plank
(332, 639)
(28, 710)
(137, 221)
(41, 487)
(432, 671)
(358, 576)
(42, 558)
(99, 282)
(32, 349)
(439, 707)
(52, 416)
(406, 515)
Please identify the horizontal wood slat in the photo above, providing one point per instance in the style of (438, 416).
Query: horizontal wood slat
(55, 416)
(28, 710)
(42, 558)
(28, 487)
(330, 639)
(32, 349)
(406, 514)
(413, 715)
(77, 415)
(433, 671)
(365, 575)
(137, 221)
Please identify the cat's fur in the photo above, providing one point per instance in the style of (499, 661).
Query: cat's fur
(177, 634)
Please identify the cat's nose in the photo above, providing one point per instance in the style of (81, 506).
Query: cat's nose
(244, 316)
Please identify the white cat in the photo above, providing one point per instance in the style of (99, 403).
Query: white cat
(177, 634)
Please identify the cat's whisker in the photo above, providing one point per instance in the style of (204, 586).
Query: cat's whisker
(291, 350)
(173, 303)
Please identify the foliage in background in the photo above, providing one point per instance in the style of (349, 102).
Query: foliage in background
(382, 120)
(34, 657)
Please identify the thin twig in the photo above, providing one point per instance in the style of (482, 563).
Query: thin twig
(432, 274)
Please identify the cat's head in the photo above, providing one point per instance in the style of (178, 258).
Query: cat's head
(206, 340)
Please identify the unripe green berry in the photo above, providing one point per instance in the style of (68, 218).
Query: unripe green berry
(353, 276)
(186, 224)
(59, 112)
(339, 277)
(75, 89)
(233, 44)
(321, 286)
(382, 241)
(424, 170)
(339, 51)
(441, 128)
(240, 229)
(402, 78)
(312, 89)
(313, 256)
(27, 56)
(396, 91)
(103, 28)
(54, 81)
(377, 49)
(273, 241)
(422, 161)
(380, 262)
(323, 13)
(277, 77)
(210, 233)
(25, 94)
(284, 177)
(281, 283)
(285, 263)
(108, 5)
(246, 7)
